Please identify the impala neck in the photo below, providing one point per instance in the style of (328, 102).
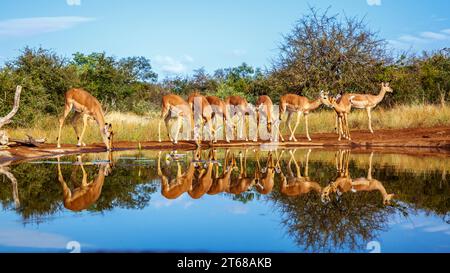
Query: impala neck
(314, 104)
(100, 118)
(316, 187)
(381, 95)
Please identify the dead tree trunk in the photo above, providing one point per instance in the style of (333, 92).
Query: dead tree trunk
(15, 189)
(4, 140)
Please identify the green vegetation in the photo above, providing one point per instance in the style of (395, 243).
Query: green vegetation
(323, 51)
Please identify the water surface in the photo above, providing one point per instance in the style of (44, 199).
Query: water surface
(227, 201)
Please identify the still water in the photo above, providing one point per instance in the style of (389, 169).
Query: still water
(236, 200)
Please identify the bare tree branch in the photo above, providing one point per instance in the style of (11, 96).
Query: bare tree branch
(7, 119)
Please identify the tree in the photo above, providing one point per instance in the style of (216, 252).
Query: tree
(329, 52)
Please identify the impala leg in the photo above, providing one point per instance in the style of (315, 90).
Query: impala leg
(177, 129)
(74, 121)
(67, 109)
(84, 182)
(166, 122)
(80, 141)
(369, 114)
(307, 163)
(66, 190)
(288, 122)
(307, 130)
(336, 125)
(340, 128)
(164, 117)
(225, 129)
(279, 133)
(212, 131)
(347, 129)
(299, 114)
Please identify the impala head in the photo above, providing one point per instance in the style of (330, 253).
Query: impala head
(385, 87)
(326, 98)
(387, 199)
(325, 195)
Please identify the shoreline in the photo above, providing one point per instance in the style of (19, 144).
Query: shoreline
(419, 142)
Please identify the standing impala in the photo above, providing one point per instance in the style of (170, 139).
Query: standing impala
(85, 105)
(219, 110)
(238, 106)
(342, 106)
(201, 109)
(173, 105)
(292, 103)
(264, 105)
(368, 102)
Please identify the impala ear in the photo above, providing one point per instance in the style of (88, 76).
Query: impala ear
(387, 84)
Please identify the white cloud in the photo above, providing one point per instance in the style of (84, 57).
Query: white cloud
(433, 35)
(374, 2)
(189, 58)
(32, 239)
(239, 52)
(411, 39)
(73, 2)
(424, 39)
(170, 65)
(438, 228)
(38, 25)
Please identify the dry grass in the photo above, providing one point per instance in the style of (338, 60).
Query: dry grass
(131, 127)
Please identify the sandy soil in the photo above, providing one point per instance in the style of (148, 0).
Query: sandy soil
(426, 142)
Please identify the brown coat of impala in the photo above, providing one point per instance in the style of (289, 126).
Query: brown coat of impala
(85, 106)
(265, 177)
(201, 109)
(172, 188)
(243, 182)
(219, 110)
(296, 184)
(264, 105)
(292, 103)
(174, 105)
(342, 107)
(204, 180)
(368, 102)
(221, 182)
(238, 106)
(88, 193)
(344, 183)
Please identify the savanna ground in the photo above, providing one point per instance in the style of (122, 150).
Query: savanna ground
(140, 128)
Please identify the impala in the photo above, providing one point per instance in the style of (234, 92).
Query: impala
(202, 110)
(368, 102)
(174, 106)
(292, 103)
(88, 193)
(85, 106)
(238, 106)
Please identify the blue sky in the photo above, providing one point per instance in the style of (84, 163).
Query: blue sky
(179, 36)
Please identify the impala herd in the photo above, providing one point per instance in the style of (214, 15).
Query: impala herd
(210, 111)
(202, 176)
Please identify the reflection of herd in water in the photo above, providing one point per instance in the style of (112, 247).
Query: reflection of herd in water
(202, 176)
(326, 198)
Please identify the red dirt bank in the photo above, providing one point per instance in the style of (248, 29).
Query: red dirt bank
(427, 141)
